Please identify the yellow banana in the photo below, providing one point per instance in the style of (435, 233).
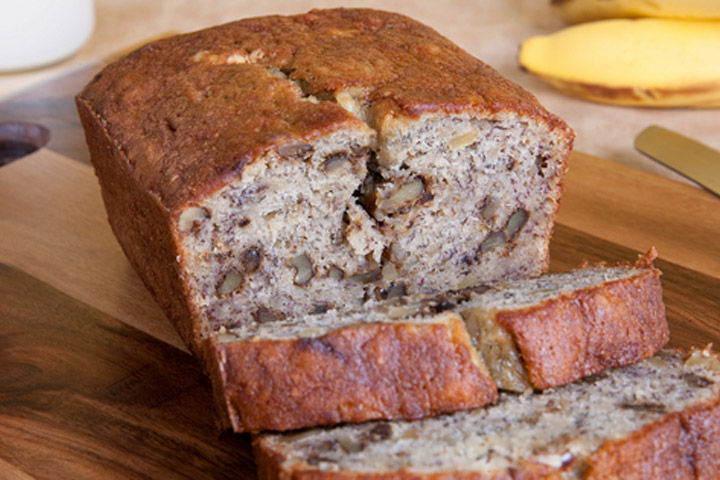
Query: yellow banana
(644, 62)
(577, 11)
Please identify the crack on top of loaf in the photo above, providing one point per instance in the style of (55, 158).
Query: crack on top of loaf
(302, 86)
(353, 99)
(239, 57)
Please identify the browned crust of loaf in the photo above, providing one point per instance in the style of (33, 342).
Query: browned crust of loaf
(141, 224)
(352, 374)
(701, 437)
(185, 127)
(681, 445)
(590, 330)
(656, 451)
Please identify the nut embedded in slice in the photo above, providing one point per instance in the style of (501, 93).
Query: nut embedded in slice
(492, 241)
(231, 282)
(367, 277)
(389, 272)
(336, 162)
(336, 273)
(490, 208)
(190, 216)
(463, 140)
(251, 259)
(266, 315)
(303, 269)
(394, 291)
(516, 221)
(296, 151)
(408, 193)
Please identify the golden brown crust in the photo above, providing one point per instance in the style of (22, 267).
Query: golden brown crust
(141, 224)
(678, 446)
(655, 451)
(352, 374)
(701, 435)
(615, 324)
(188, 112)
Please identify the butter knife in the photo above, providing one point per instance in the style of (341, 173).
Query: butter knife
(690, 158)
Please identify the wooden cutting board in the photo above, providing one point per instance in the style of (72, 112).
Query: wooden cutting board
(95, 383)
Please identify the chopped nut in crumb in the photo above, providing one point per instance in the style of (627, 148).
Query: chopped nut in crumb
(231, 282)
(191, 216)
(303, 269)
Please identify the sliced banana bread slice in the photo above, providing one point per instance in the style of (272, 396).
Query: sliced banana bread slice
(653, 420)
(549, 331)
(331, 368)
(412, 357)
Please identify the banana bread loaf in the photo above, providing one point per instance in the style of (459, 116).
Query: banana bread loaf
(276, 166)
(659, 419)
(420, 355)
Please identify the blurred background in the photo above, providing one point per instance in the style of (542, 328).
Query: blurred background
(489, 29)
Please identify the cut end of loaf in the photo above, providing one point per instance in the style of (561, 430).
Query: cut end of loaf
(545, 332)
(353, 368)
(276, 242)
(421, 206)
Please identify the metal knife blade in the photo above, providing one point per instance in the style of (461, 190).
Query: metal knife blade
(690, 158)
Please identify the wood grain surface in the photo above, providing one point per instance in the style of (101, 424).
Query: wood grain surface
(94, 382)
(54, 227)
(83, 395)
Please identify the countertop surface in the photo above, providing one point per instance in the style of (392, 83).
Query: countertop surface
(492, 30)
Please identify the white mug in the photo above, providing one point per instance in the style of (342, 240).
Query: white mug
(34, 33)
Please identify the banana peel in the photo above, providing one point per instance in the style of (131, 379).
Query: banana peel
(642, 62)
(578, 11)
